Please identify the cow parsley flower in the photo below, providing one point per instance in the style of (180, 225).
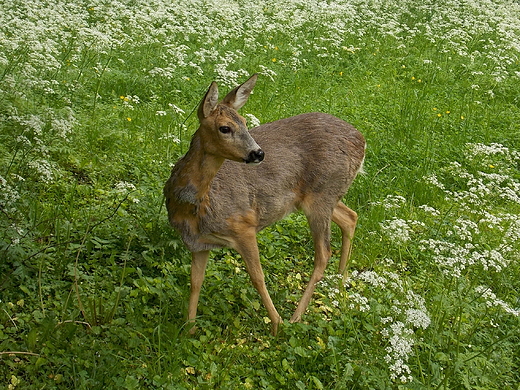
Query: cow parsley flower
(252, 120)
(176, 109)
(430, 210)
(397, 230)
(493, 301)
(391, 202)
(124, 186)
(43, 170)
(400, 316)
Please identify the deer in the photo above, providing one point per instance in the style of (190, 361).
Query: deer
(233, 182)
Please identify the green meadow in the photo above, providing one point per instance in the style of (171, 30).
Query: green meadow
(98, 100)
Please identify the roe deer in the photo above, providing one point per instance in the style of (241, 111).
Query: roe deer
(310, 162)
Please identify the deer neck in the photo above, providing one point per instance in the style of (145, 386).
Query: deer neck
(197, 171)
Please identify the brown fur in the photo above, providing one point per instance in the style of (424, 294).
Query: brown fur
(310, 162)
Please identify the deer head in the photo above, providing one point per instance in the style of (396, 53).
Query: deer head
(223, 130)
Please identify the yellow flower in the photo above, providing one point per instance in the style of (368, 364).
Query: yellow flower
(129, 119)
(274, 60)
(439, 115)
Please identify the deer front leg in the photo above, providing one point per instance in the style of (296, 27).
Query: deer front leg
(199, 260)
(248, 249)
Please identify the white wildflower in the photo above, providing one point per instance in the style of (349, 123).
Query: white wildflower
(43, 169)
(22, 139)
(478, 149)
(124, 186)
(370, 277)
(430, 210)
(391, 202)
(170, 137)
(358, 302)
(398, 351)
(265, 71)
(176, 109)
(434, 180)
(252, 120)
(8, 196)
(35, 123)
(63, 127)
(406, 312)
(465, 229)
(493, 301)
(396, 230)
(417, 317)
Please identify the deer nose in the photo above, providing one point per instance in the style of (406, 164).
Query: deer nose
(255, 157)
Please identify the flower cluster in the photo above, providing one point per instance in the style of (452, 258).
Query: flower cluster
(190, 42)
(8, 197)
(401, 343)
(480, 230)
(399, 314)
(493, 301)
(252, 120)
(478, 236)
(391, 202)
(400, 231)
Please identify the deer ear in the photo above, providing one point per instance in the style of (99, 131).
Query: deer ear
(238, 97)
(209, 102)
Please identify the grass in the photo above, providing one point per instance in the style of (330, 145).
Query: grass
(97, 101)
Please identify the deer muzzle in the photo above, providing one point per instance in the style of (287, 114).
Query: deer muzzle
(255, 157)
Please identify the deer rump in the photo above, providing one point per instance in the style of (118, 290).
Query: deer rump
(310, 162)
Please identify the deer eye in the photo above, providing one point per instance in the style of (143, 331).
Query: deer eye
(225, 129)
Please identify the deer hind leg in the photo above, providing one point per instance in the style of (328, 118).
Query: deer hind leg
(320, 230)
(248, 249)
(199, 261)
(346, 219)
